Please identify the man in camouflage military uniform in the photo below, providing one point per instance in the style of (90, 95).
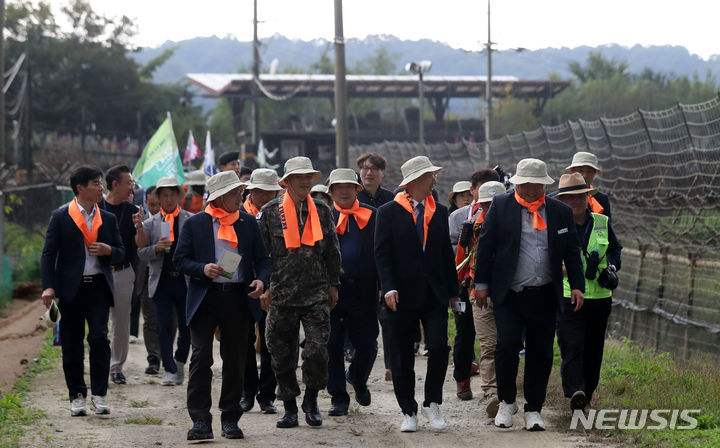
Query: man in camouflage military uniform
(300, 235)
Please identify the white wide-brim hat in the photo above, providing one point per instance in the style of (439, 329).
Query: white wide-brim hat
(343, 176)
(459, 187)
(221, 183)
(264, 179)
(416, 167)
(531, 171)
(197, 177)
(489, 190)
(168, 182)
(573, 184)
(299, 165)
(584, 159)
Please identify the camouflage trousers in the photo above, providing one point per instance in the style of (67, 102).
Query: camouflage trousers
(282, 335)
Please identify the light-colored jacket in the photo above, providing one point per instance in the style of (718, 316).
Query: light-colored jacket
(148, 253)
(455, 222)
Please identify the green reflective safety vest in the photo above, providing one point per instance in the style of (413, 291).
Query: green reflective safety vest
(598, 240)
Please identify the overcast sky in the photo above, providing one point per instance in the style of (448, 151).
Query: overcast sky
(531, 24)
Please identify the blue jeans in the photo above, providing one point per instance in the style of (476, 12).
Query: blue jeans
(171, 293)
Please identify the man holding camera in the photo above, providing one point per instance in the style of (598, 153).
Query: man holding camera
(581, 334)
(523, 242)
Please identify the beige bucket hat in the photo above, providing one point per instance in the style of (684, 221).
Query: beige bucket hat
(416, 167)
(320, 188)
(168, 182)
(299, 165)
(489, 190)
(343, 176)
(584, 159)
(222, 183)
(264, 179)
(531, 171)
(573, 184)
(197, 177)
(459, 187)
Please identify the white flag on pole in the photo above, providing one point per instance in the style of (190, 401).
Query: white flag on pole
(209, 162)
(191, 149)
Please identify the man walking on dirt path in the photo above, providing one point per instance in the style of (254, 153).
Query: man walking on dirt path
(81, 243)
(300, 235)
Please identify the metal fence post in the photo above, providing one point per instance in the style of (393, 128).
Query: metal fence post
(661, 293)
(638, 284)
(692, 256)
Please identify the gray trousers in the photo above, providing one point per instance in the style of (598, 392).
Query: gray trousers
(150, 337)
(120, 317)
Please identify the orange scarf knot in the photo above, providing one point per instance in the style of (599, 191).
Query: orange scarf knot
(226, 231)
(250, 207)
(538, 221)
(361, 214)
(312, 230)
(170, 217)
(405, 200)
(89, 235)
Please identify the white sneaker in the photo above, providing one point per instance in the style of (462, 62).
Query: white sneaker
(409, 423)
(134, 339)
(180, 375)
(100, 404)
(432, 413)
(77, 406)
(504, 419)
(170, 379)
(533, 422)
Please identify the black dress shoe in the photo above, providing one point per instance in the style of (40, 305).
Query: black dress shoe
(312, 414)
(230, 430)
(152, 369)
(362, 396)
(266, 407)
(118, 378)
(288, 420)
(246, 403)
(201, 430)
(337, 410)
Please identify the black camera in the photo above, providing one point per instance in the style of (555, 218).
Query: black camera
(593, 261)
(466, 234)
(608, 278)
(504, 176)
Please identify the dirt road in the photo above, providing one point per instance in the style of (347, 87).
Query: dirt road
(21, 336)
(162, 411)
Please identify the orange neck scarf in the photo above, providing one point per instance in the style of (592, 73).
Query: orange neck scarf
(595, 206)
(170, 217)
(90, 236)
(538, 222)
(250, 207)
(361, 214)
(312, 230)
(227, 231)
(403, 198)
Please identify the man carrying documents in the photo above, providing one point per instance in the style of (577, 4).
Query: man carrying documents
(222, 252)
(166, 286)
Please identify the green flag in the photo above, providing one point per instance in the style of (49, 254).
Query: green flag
(160, 158)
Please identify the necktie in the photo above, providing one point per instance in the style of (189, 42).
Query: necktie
(419, 218)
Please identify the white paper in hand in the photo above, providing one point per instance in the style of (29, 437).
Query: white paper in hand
(164, 229)
(229, 262)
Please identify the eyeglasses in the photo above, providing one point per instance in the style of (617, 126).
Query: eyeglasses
(374, 169)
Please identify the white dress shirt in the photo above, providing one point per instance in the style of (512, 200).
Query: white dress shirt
(92, 263)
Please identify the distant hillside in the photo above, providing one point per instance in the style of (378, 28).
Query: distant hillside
(222, 55)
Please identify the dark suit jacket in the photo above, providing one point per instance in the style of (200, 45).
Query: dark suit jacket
(63, 257)
(196, 248)
(499, 246)
(369, 278)
(604, 200)
(402, 264)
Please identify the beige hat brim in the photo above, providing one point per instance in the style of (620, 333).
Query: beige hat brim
(593, 166)
(581, 191)
(317, 175)
(227, 189)
(264, 187)
(431, 169)
(519, 180)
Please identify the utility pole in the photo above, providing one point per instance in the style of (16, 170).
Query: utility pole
(255, 89)
(3, 153)
(28, 120)
(421, 104)
(488, 92)
(341, 132)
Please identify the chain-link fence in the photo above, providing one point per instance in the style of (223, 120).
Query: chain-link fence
(661, 169)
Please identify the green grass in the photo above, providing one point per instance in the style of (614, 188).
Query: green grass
(144, 420)
(139, 404)
(632, 378)
(14, 415)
